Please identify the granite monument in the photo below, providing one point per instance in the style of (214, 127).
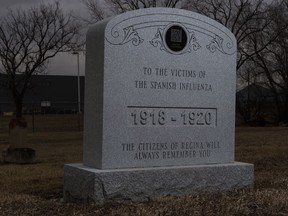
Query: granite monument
(159, 109)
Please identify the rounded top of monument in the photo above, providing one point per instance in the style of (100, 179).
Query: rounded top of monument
(124, 27)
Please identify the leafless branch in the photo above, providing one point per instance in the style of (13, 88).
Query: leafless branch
(28, 39)
(112, 7)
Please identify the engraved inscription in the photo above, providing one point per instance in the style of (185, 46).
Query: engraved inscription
(172, 116)
(195, 80)
(173, 150)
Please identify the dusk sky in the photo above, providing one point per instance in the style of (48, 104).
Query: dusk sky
(63, 63)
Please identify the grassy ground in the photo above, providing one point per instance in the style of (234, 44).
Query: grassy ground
(37, 189)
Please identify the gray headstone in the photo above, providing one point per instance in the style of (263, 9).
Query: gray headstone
(160, 91)
(159, 109)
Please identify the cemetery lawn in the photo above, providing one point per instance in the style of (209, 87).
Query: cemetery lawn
(36, 189)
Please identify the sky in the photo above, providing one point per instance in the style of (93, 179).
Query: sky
(63, 63)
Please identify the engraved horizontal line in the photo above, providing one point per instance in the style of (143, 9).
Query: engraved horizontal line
(161, 107)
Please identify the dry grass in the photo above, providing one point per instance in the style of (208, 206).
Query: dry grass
(37, 189)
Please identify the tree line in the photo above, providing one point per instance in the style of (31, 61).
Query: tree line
(28, 39)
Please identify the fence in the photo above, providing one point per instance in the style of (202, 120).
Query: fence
(47, 122)
(44, 107)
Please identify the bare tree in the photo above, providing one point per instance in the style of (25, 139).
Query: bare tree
(258, 26)
(28, 39)
(95, 11)
(99, 10)
(273, 59)
(242, 17)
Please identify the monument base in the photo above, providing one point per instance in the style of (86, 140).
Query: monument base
(86, 184)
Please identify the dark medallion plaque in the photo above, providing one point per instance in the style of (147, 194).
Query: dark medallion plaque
(176, 38)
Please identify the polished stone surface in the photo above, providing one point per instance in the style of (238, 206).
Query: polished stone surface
(160, 91)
